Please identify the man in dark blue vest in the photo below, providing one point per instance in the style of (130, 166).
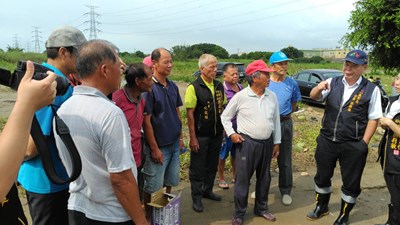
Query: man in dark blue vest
(352, 110)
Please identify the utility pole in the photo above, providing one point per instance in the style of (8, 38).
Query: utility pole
(36, 37)
(16, 41)
(93, 22)
(28, 47)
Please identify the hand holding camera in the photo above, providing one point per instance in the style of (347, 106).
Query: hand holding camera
(34, 93)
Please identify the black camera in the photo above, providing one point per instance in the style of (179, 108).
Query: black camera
(13, 80)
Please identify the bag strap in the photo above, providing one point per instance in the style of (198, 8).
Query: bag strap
(45, 155)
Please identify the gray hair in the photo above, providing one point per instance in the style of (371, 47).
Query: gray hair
(92, 54)
(206, 59)
(250, 77)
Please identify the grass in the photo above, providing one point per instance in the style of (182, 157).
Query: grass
(305, 132)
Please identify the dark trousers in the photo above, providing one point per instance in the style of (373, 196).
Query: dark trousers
(285, 158)
(78, 218)
(203, 165)
(352, 157)
(48, 209)
(393, 185)
(140, 181)
(252, 155)
(11, 211)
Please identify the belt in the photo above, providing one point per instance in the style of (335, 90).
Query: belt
(286, 117)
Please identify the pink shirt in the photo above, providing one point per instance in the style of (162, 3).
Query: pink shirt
(134, 115)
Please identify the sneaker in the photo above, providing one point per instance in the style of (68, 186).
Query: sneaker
(286, 200)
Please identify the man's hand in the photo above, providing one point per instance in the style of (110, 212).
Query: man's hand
(323, 85)
(236, 138)
(385, 122)
(275, 151)
(36, 93)
(157, 156)
(194, 144)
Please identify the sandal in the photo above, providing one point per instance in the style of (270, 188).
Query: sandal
(223, 184)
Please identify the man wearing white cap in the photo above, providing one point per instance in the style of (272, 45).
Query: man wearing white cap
(257, 139)
(288, 93)
(48, 201)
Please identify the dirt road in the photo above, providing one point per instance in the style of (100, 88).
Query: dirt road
(371, 207)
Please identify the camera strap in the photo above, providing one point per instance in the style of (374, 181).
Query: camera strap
(45, 155)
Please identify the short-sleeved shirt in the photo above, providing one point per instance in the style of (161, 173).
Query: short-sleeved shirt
(161, 104)
(31, 174)
(374, 109)
(287, 92)
(229, 93)
(101, 135)
(134, 115)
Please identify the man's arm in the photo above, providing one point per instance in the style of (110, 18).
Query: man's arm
(194, 143)
(126, 190)
(370, 130)
(156, 153)
(315, 93)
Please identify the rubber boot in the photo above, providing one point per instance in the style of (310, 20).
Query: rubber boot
(390, 216)
(321, 206)
(345, 209)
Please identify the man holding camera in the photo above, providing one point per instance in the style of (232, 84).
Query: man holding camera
(48, 201)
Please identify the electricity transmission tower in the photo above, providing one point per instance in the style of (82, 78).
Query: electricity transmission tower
(36, 37)
(93, 22)
(16, 41)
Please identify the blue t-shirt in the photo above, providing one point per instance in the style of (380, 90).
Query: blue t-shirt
(287, 92)
(31, 174)
(161, 104)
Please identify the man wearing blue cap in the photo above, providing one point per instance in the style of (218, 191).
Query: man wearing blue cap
(288, 93)
(352, 110)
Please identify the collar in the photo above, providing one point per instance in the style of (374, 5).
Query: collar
(252, 94)
(56, 71)
(128, 96)
(358, 82)
(89, 91)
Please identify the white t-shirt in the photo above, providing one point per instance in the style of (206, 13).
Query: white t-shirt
(101, 134)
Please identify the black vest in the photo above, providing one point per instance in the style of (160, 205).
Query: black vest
(207, 114)
(347, 122)
(389, 147)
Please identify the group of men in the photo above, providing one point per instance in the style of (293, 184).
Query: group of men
(129, 144)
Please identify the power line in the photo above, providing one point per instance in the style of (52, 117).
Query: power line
(93, 22)
(36, 38)
(174, 29)
(16, 41)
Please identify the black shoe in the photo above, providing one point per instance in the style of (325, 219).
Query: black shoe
(197, 205)
(212, 196)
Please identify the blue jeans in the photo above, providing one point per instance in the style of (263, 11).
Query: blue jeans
(155, 175)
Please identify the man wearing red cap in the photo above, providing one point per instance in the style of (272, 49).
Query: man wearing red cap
(352, 110)
(257, 139)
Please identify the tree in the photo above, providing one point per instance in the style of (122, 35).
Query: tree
(139, 54)
(12, 49)
(292, 52)
(375, 26)
(259, 55)
(181, 52)
(216, 50)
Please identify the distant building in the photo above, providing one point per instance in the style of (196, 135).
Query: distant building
(326, 53)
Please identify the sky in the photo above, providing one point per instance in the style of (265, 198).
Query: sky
(143, 25)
